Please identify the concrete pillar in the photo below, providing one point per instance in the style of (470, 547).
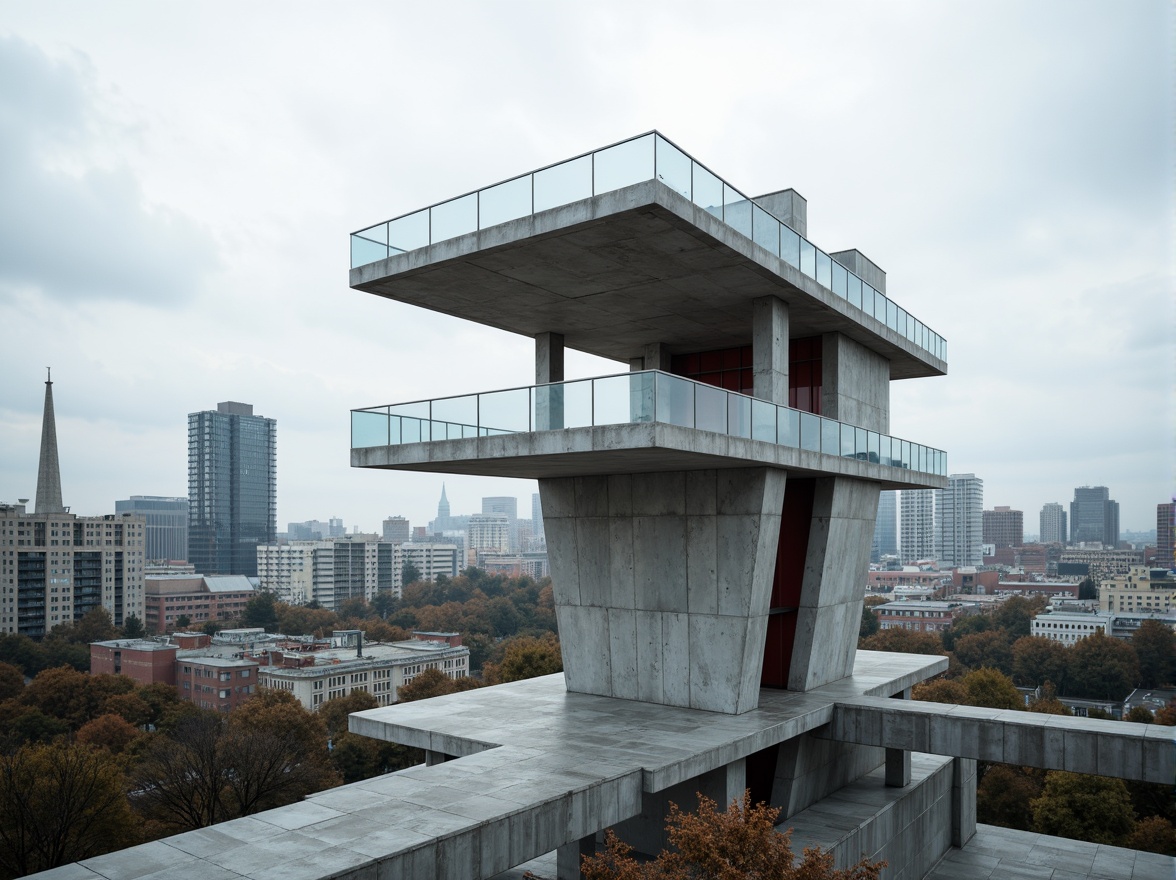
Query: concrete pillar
(898, 761)
(549, 367)
(769, 349)
(855, 384)
(432, 758)
(963, 800)
(569, 857)
(834, 584)
(662, 582)
(549, 358)
(656, 357)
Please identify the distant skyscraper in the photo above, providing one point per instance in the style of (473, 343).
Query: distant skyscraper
(1166, 534)
(167, 525)
(1094, 516)
(885, 527)
(916, 525)
(232, 488)
(397, 530)
(536, 516)
(1053, 524)
(508, 507)
(958, 525)
(1003, 527)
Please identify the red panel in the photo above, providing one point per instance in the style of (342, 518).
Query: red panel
(731, 380)
(710, 362)
(795, 520)
(731, 358)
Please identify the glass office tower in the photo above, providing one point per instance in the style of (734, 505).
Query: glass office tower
(232, 488)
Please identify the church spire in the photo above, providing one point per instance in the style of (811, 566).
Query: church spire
(49, 470)
(443, 505)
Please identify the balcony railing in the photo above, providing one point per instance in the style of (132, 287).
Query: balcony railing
(633, 398)
(648, 156)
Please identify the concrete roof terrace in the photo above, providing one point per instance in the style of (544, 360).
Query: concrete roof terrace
(623, 269)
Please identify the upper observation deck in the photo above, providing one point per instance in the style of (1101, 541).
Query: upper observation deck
(634, 243)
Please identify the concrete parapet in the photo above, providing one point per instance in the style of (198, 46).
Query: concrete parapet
(1121, 749)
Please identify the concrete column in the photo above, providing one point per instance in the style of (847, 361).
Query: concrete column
(656, 357)
(549, 367)
(834, 583)
(549, 358)
(963, 800)
(662, 582)
(569, 857)
(898, 761)
(855, 384)
(769, 349)
(432, 758)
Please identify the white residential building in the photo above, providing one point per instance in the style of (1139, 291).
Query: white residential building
(1068, 627)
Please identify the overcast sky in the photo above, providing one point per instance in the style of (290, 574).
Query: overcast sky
(178, 181)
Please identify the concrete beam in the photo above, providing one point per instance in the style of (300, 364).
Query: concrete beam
(1122, 749)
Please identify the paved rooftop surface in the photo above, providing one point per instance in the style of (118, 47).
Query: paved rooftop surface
(1002, 852)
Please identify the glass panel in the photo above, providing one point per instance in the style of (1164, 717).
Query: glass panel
(763, 421)
(891, 315)
(766, 229)
(810, 432)
(840, 280)
(824, 269)
(564, 405)
(405, 429)
(563, 183)
(364, 251)
(738, 415)
(454, 412)
(808, 258)
(736, 211)
(830, 437)
(418, 409)
(377, 233)
(787, 427)
(708, 191)
(789, 246)
(872, 447)
(906, 453)
(368, 429)
(673, 167)
(613, 403)
(623, 165)
(854, 291)
(504, 412)
(879, 306)
(848, 441)
(860, 444)
(504, 202)
(675, 400)
(454, 218)
(409, 233)
(710, 409)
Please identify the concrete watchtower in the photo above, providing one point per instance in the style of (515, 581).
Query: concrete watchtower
(709, 513)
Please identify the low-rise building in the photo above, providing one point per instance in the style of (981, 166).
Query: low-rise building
(921, 616)
(1142, 589)
(1069, 627)
(350, 664)
(199, 598)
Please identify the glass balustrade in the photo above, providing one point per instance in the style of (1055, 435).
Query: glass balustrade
(645, 157)
(633, 398)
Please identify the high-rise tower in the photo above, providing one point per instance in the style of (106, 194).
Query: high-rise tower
(232, 488)
(916, 525)
(958, 521)
(1094, 516)
(1053, 524)
(886, 527)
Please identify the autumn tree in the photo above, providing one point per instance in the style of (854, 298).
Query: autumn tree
(12, 682)
(991, 649)
(940, 690)
(1102, 668)
(903, 641)
(869, 624)
(60, 804)
(1015, 615)
(739, 844)
(1155, 646)
(433, 683)
(357, 757)
(525, 657)
(72, 696)
(1004, 796)
(1081, 807)
(261, 611)
(1153, 834)
(1140, 715)
(965, 626)
(133, 627)
(1037, 660)
(993, 689)
(110, 732)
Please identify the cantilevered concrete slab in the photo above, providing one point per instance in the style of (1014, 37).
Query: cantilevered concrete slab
(620, 270)
(650, 447)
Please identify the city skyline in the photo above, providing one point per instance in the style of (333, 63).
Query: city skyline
(1008, 226)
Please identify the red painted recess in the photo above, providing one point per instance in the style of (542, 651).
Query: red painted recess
(796, 517)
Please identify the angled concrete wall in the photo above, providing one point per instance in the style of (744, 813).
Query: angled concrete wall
(834, 584)
(662, 582)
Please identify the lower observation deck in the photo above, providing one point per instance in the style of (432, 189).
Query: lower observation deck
(641, 421)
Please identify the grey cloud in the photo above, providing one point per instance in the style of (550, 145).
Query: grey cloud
(88, 236)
